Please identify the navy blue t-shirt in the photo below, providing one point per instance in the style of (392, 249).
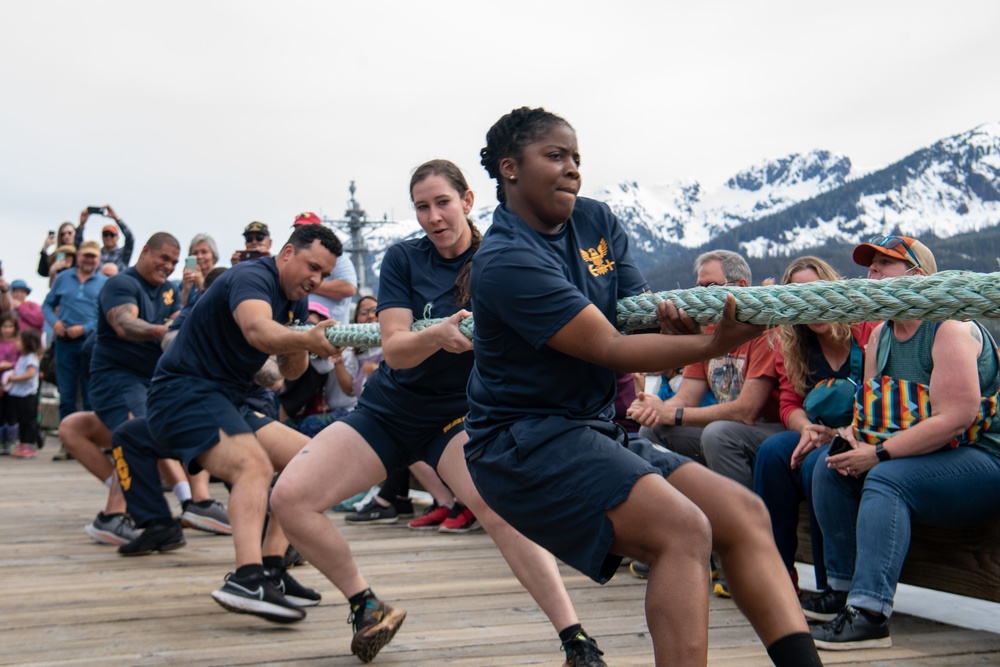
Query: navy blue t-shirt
(211, 345)
(525, 287)
(416, 277)
(156, 306)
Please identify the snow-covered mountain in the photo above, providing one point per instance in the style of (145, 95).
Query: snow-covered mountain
(787, 206)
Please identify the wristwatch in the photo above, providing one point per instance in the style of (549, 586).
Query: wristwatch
(881, 453)
(678, 416)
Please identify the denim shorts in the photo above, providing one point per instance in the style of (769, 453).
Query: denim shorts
(116, 394)
(555, 479)
(185, 415)
(400, 444)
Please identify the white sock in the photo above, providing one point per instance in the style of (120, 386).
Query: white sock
(183, 491)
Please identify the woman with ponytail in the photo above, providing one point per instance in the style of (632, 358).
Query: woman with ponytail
(413, 409)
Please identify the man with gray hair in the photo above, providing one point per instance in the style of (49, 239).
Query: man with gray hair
(725, 436)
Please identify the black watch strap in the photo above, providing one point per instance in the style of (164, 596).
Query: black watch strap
(678, 416)
(881, 453)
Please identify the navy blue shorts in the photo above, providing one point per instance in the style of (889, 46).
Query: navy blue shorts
(555, 479)
(185, 415)
(116, 394)
(399, 445)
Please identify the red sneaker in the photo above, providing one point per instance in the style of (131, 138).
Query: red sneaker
(461, 520)
(430, 519)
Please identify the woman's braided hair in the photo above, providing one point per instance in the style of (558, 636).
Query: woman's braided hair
(509, 136)
(450, 172)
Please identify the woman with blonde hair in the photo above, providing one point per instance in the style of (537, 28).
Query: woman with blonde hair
(819, 366)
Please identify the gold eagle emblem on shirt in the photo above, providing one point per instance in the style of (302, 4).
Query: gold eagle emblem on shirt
(595, 259)
(168, 297)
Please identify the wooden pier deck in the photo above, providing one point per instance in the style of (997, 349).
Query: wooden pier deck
(68, 601)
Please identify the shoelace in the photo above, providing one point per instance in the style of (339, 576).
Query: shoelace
(582, 646)
(357, 615)
(847, 615)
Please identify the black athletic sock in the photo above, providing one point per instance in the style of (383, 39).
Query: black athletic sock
(795, 650)
(356, 601)
(274, 562)
(248, 571)
(568, 633)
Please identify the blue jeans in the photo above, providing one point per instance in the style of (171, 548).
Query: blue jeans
(866, 522)
(71, 372)
(782, 489)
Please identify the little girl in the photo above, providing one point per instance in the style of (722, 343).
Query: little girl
(23, 392)
(8, 355)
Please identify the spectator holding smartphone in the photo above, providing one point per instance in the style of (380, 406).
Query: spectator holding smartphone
(258, 243)
(202, 257)
(65, 237)
(110, 252)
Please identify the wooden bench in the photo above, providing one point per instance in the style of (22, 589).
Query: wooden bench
(961, 560)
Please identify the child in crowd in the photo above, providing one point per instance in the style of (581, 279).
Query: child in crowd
(23, 392)
(8, 356)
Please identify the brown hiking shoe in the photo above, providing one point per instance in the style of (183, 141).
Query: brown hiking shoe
(375, 624)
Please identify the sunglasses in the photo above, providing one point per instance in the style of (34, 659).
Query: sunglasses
(725, 284)
(108, 234)
(257, 238)
(890, 242)
(365, 311)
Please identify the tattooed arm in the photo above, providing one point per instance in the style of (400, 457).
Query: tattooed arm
(126, 323)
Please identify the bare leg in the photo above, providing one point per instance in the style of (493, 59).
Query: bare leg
(242, 461)
(86, 438)
(199, 486)
(533, 566)
(659, 526)
(741, 529)
(337, 464)
(432, 483)
(172, 471)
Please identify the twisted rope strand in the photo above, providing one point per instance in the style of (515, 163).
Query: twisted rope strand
(948, 295)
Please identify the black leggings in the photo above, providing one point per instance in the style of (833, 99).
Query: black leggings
(26, 412)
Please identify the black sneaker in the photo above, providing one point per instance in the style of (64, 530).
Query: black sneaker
(157, 537)
(639, 570)
(582, 651)
(293, 558)
(404, 508)
(373, 513)
(375, 624)
(258, 596)
(824, 606)
(294, 592)
(850, 630)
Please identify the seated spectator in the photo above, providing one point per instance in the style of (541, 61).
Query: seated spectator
(806, 356)
(65, 237)
(725, 436)
(924, 448)
(303, 396)
(258, 243)
(206, 256)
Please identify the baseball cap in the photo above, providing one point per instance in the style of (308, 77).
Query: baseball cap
(257, 228)
(306, 219)
(90, 248)
(109, 228)
(906, 248)
(20, 284)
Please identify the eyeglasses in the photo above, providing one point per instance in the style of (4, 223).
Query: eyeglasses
(256, 238)
(108, 234)
(890, 242)
(725, 284)
(365, 312)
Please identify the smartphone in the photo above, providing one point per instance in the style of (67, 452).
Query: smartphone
(52, 234)
(250, 254)
(839, 445)
(191, 263)
(95, 210)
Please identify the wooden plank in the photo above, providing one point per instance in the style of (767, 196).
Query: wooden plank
(68, 600)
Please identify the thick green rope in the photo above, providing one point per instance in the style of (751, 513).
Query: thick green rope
(949, 295)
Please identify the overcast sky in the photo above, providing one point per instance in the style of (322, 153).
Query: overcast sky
(202, 116)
